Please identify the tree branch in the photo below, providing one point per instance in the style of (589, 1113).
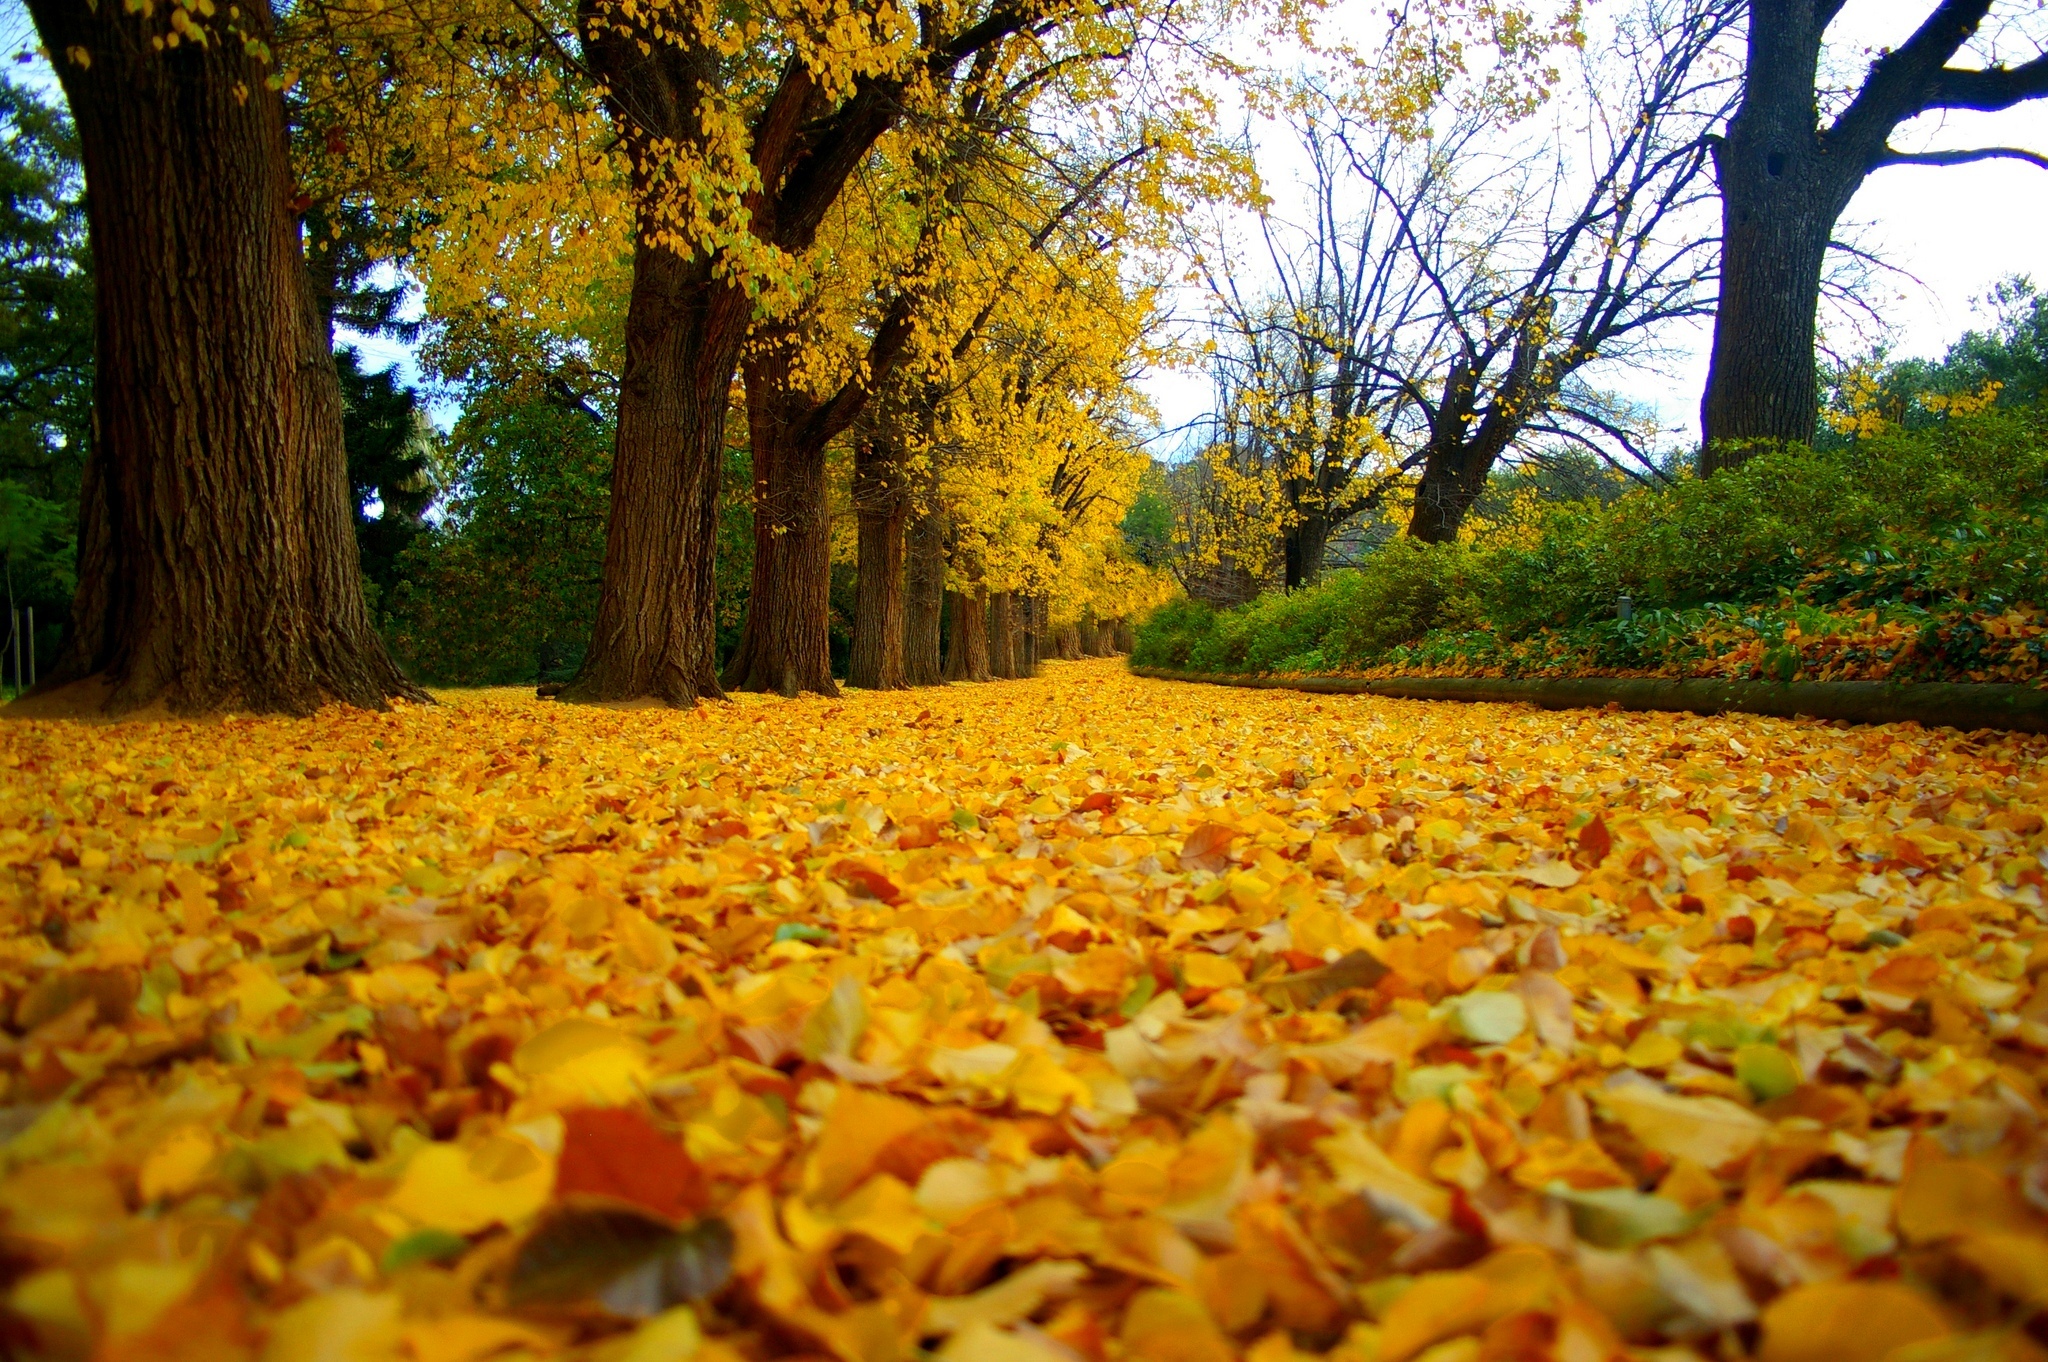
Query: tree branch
(1990, 90)
(1894, 157)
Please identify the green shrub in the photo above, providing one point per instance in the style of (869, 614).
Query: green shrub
(1947, 518)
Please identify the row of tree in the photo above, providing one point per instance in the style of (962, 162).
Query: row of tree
(905, 239)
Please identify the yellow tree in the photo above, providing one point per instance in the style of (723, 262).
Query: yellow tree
(1042, 454)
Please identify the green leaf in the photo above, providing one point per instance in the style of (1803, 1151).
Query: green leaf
(800, 931)
(1766, 1071)
(423, 1246)
(1622, 1217)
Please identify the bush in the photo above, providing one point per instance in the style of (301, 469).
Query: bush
(1928, 526)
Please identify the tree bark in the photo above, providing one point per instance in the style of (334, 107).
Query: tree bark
(656, 628)
(1090, 631)
(881, 507)
(1002, 636)
(1443, 496)
(1781, 192)
(1068, 641)
(784, 645)
(1031, 628)
(967, 649)
(1305, 544)
(924, 597)
(218, 563)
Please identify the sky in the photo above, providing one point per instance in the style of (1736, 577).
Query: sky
(1948, 233)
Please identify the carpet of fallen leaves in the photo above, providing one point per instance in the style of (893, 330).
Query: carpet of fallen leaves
(1086, 1017)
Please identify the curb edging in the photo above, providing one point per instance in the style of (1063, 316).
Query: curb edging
(1932, 704)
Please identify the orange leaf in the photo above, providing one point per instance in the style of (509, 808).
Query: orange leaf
(867, 881)
(617, 1152)
(1595, 840)
(1208, 847)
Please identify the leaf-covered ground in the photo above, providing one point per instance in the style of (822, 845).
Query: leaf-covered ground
(1087, 1017)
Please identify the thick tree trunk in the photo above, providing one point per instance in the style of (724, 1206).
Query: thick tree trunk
(1067, 639)
(881, 507)
(656, 614)
(1002, 636)
(924, 597)
(656, 629)
(1781, 192)
(1124, 638)
(1761, 383)
(1446, 492)
(1090, 630)
(218, 565)
(1305, 544)
(967, 648)
(784, 646)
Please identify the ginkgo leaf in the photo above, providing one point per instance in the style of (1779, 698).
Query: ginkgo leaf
(618, 1152)
(1308, 988)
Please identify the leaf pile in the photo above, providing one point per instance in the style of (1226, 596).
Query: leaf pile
(1089, 1017)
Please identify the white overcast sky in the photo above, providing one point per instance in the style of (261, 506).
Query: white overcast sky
(1954, 229)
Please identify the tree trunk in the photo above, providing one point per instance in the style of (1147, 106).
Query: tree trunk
(1068, 641)
(881, 506)
(1090, 631)
(1002, 636)
(1781, 191)
(1761, 384)
(1032, 628)
(1443, 496)
(1305, 544)
(924, 597)
(784, 646)
(218, 565)
(967, 649)
(1124, 638)
(656, 630)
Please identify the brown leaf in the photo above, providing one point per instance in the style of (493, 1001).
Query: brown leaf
(1307, 988)
(628, 1263)
(1208, 847)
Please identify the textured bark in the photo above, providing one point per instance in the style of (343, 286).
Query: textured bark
(1124, 638)
(1780, 195)
(1031, 617)
(1002, 636)
(656, 628)
(784, 646)
(1304, 546)
(967, 647)
(1067, 642)
(924, 597)
(1461, 454)
(686, 323)
(881, 508)
(1090, 631)
(218, 565)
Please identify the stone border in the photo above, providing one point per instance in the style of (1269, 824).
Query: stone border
(1933, 704)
